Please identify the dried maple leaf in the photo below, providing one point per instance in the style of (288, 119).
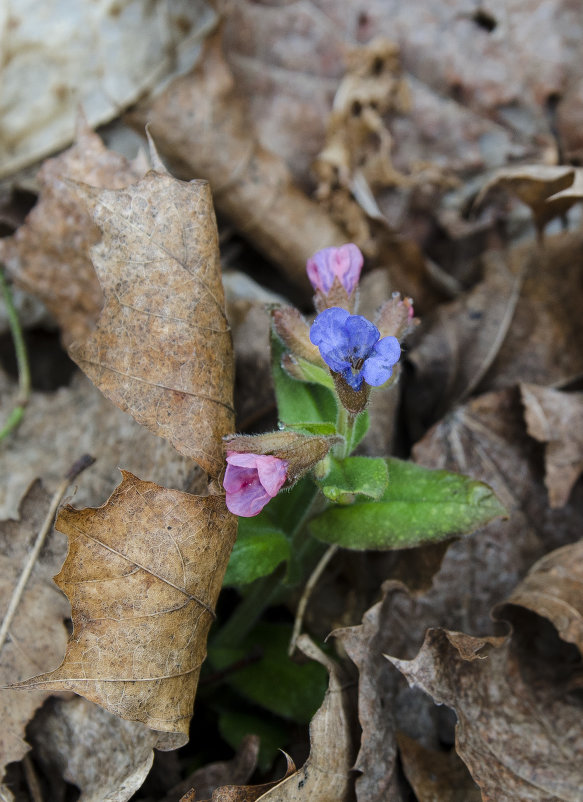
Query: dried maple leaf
(37, 635)
(106, 757)
(143, 574)
(555, 418)
(520, 738)
(49, 255)
(251, 185)
(162, 349)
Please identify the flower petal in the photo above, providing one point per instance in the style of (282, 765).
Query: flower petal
(343, 263)
(378, 368)
(236, 478)
(242, 460)
(272, 473)
(249, 501)
(328, 326)
(361, 334)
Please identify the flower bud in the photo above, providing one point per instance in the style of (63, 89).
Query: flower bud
(294, 332)
(250, 481)
(396, 318)
(334, 274)
(300, 452)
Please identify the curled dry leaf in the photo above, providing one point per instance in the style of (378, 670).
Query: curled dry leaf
(37, 635)
(143, 574)
(553, 589)
(202, 782)
(520, 738)
(532, 184)
(162, 349)
(106, 757)
(249, 793)
(49, 255)
(556, 419)
(251, 185)
(326, 776)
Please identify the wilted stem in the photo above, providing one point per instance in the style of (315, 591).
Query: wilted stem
(17, 413)
(307, 592)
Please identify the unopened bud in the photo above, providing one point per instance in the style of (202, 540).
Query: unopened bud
(294, 332)
(301, 452)
(396, 318)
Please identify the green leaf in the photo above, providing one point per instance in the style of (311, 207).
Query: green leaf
(322, 429)
(418, 506)
(315, 374)
(275, 682)
(298, 402)
(364, 476)
(260, 547)
(274, 733)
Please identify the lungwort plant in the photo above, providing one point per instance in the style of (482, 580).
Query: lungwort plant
(144, 571)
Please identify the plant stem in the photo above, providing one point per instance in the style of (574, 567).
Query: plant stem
(265, 590)
(345, 427)
(17, 413)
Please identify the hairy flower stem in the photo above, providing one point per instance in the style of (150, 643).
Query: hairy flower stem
(345, 427)
(269, 589)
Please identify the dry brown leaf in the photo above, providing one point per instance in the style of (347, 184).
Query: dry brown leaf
(162, 349)
(49, 255)
(436, 776)
(201, 121)
(326, 776)
(556, 419)
(38, 634)
(553, 589)
(249, 793)
(519, 736)
(106, 757)
(533, 184)
(562, 201)
(205, 780)
(143, 574)
(78, 419)
(521, 323)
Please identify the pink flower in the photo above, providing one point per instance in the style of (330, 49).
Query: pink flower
(344, 263)
(251, 480)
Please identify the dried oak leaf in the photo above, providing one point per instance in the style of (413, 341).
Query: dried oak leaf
(519, 324)
(533, 184)
(251, 186)
(556, 419)
(553, 588)
(143, 574)
(49, 255)
(162, 348)
(326, 776)
(520, 737)
(107, 758)
(38, 634)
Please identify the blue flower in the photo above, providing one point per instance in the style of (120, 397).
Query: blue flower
(350, 345)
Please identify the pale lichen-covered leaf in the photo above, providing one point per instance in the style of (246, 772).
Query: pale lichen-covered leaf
(106, 757)
(143, 574)
(162, 349)
(37, 635)
(49, 255)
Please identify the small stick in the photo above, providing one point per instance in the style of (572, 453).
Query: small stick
(80, 465)
(31, 779)
(24, 385)
(307, 592)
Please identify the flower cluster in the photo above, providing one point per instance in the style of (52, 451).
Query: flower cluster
(352, 346)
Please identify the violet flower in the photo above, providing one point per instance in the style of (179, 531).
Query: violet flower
(350, 345)
(344, 263)
(251, 480)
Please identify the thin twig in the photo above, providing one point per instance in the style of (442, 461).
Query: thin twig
(17, 413)
(74, 471)
(32, 782)
(307, 592)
